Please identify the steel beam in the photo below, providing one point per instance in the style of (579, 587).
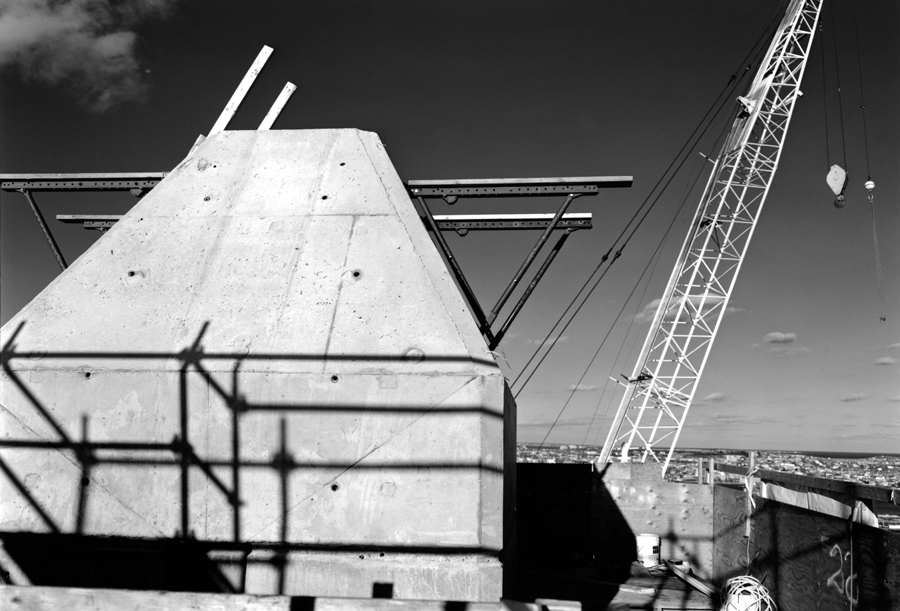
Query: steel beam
(45, 230)
(483, 222)
(119, 181)
(528, 260)
(534, 282)
(515, 187)
(483, 324)
(444, 222)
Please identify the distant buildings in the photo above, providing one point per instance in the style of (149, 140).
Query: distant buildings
(881, 471)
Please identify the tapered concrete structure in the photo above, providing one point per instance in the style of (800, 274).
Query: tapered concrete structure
(268, 356)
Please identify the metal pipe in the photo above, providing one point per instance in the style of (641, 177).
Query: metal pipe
(751, 467)
(540, 243)
(537, 278)
(483, 324)
(40, 219)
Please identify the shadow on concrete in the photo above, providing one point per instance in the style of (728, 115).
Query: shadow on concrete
(183, 562)
(573, 542)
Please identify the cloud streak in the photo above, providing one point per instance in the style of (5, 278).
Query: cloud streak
(583, 388)
(548, 342)
(87, 46)
(715, 397)
(886, 361)
(693, 307)
(854, 397)
(779, 339)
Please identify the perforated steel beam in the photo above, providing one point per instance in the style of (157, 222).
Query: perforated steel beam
(118, 181)
(515, 187)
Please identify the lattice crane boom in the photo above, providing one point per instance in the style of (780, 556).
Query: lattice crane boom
(659, 392)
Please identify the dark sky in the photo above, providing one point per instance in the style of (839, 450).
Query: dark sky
(508, 89)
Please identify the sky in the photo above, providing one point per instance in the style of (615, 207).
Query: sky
(517, 89)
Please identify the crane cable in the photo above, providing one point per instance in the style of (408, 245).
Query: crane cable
(870, 184)
(838, 175)
(825, 94)
(690, 188)
(733, 81)
(837, 72)
(654, 260)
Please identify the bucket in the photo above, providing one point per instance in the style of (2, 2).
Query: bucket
(648, 549)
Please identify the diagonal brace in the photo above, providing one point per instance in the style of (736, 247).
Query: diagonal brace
(537, 278)
(49, 236)
(483, 325)
(528, 260)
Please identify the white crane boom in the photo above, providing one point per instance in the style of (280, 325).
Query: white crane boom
(659, 392)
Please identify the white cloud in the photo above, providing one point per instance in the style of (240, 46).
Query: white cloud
(693, 307)
(647, 312)
(778, 338)
(583, 388)
(549, 342)
(854, 397)
(781, 351)
(716, 397)
(886, 361)
(86, 45)
(894, 345)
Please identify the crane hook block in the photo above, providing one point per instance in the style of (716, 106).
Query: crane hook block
(870, 185)
(837, 180)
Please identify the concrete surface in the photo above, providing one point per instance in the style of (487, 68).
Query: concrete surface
(680, 514)
(268, 349)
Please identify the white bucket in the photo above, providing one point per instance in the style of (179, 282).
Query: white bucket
(648, 549)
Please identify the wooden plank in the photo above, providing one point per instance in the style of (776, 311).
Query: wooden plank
(876, 563)
(729, 544)
(238, 96)
(277, 107)
(659, 594)
(807, 556)
(801, 553)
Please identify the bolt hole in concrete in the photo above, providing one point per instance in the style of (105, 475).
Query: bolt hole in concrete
(357, 273)
(130, 274)
(85, 481)
(206, 199)
(334, 487)
(87, 374)
(324, 197)
(414, 354)
(334, 378)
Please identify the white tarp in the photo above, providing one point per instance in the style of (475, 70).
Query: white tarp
(840, 505)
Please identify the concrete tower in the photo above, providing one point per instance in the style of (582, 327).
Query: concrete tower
(265, 360)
